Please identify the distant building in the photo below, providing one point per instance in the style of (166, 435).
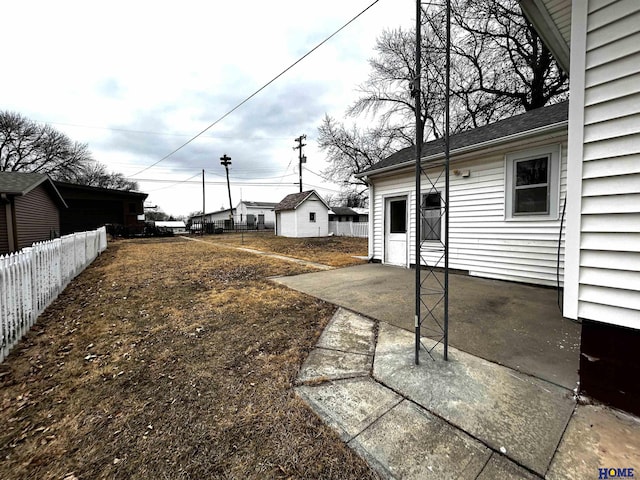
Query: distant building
(93, 207)
(255, 213)
(343, 214)
(174, 226)
(303, 214)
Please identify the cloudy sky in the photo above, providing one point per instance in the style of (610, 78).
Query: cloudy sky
(137, 79)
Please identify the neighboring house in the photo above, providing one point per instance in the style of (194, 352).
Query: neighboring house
(598, 43)
(173, 226)
(30, 207)
(256, 214)
(303, 214)
(363, 213)
(93, 207)
(343, 214)
(219, 216)
(506, 194)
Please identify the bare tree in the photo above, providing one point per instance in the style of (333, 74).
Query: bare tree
(352, 150)
(26, 146)
(499, 67)
(95, 174)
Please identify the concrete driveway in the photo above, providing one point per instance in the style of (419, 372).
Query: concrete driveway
(519, 326)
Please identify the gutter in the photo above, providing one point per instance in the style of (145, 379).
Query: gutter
(470, 148)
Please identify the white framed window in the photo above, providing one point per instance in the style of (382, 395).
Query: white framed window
(431, 225)
(312, 217)
(532, 183)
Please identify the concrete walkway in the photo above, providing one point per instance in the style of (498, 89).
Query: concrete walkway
(516, 325)
(466, 418)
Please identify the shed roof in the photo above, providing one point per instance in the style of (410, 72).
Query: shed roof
(294, 200)
(506, 130)
(21, 183)
(259, 204)
(69, 188)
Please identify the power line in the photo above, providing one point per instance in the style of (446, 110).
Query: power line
(175, 183)
(259, 90)
(235, 183)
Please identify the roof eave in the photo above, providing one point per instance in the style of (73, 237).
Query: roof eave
(470, 148)
(537, 13)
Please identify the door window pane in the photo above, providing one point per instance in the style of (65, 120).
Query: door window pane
(398, 216)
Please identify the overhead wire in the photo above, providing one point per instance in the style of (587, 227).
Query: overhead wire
(258, 90)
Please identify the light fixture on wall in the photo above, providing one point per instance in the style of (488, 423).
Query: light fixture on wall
(462, 173)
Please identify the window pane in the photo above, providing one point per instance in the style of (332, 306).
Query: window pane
(531, 200)
(532, 172)
(398, 214)
(431, 218)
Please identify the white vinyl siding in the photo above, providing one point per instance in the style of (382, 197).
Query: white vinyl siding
(481, 241)
(609, 221)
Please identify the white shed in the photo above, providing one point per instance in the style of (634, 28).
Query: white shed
(303, 214)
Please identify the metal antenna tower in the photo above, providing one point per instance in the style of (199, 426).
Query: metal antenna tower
(432, 215)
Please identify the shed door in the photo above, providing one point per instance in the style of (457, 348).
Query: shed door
(395, 231)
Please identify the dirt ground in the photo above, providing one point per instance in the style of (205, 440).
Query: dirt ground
(172, 359)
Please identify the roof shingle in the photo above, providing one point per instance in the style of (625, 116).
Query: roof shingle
(531, 120)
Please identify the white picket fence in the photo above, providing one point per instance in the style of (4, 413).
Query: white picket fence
(349, 229)
(33, 277)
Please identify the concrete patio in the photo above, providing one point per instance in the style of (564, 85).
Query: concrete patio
(466, 418)
(515, 325)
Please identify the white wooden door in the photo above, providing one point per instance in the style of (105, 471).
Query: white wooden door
(395, 231)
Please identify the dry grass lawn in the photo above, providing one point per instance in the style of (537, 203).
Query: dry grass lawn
(334, 251)
(170, 359)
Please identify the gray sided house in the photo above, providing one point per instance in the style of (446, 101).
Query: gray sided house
(597, 42)
(343, 214)
(30, 207)
(507, 189)
(303, 214)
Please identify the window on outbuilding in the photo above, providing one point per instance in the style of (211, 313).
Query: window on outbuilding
(312, 217)
(532, 181)
(430, 226)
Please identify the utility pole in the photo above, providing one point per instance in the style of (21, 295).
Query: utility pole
(301, 158)
(226, 161)
(202, 222)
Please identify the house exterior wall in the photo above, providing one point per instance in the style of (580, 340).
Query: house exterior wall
(217, 216)
(287, 223)
(243, 210)
(305, 228)
(93, 207)
(37, 217)
(604, 227)
(482, 242)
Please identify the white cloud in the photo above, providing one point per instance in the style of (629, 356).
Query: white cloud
(175, 67)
